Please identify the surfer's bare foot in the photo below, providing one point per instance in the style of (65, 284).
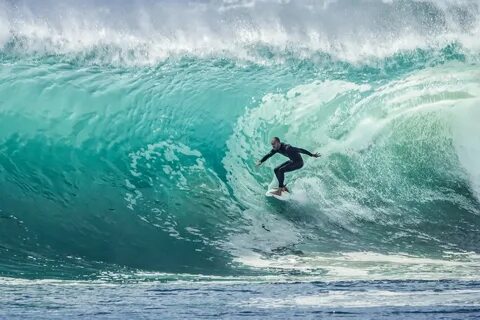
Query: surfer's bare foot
(277, 192)
(284, 189)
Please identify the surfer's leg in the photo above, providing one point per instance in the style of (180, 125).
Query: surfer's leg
(280, 172)
(286, 167)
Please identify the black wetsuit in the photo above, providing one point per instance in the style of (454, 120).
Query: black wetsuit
(295, 162)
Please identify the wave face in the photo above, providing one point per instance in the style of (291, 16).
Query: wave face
(129, 133)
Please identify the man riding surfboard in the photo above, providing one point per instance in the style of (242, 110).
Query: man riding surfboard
(295, 161)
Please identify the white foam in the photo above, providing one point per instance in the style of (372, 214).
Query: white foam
(373, 298)
(370, 266)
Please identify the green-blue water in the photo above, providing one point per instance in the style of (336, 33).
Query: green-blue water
(129, 134)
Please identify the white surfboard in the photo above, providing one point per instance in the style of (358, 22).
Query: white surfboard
(284, 197)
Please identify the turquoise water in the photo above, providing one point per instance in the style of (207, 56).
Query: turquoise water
(129, 134)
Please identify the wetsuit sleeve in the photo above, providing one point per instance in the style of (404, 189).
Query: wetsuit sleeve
(304, 151)
(268, 155)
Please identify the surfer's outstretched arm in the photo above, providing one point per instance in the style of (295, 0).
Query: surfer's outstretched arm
(265, 157)
(315, 155)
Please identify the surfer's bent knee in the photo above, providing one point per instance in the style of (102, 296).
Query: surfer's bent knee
(299, 165)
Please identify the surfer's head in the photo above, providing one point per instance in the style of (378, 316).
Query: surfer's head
(276, 143)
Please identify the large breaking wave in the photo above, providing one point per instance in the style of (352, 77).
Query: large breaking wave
(129, 134)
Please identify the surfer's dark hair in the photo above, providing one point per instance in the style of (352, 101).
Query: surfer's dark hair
(276, 138)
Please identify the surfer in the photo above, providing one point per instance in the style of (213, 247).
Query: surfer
(295, 162)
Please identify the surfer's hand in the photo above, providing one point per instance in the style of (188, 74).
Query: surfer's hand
(316, 155)
(258, 164)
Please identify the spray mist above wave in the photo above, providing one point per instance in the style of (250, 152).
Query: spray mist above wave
(145, 32)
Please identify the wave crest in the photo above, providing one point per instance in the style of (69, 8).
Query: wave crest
(143, 32)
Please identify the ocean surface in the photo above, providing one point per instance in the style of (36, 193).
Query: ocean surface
(129, 132)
